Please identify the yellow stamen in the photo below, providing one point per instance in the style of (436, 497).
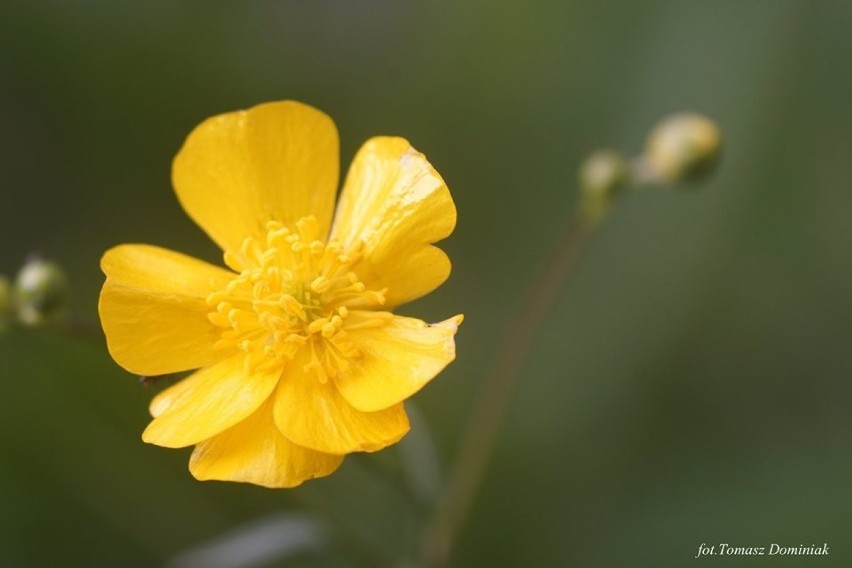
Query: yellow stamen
(295, 292)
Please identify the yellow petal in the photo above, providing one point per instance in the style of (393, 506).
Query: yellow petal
(396, 361)
(276, 161)
(314, 414)
(254, 451)
(397, 204)
(208, 402)
(153, 309)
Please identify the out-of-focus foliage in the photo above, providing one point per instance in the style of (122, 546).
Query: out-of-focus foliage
(692, 385)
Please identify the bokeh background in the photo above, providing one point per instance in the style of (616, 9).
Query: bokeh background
(694, 381)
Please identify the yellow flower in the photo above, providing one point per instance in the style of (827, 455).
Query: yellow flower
(300, 359)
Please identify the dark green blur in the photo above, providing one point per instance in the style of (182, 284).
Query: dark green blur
(693, 384)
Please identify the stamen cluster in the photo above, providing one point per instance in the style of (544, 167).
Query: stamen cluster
(294, 292)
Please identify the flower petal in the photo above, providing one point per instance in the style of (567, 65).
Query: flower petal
(396, 361)
(314, 414)
(276, 161)
(397, 204)
(208, 402)
(153, 309)
(254, 451)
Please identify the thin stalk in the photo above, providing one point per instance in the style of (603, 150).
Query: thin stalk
(495, 394)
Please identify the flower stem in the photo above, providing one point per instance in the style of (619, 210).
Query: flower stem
(495, 394)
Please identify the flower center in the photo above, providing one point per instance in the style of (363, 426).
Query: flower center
(294, 292)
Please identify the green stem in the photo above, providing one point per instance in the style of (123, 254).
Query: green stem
(495, 394)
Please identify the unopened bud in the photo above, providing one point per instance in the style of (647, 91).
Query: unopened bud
(602, 176)
(683, 147)
(41, 290)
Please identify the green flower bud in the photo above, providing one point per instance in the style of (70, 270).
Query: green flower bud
(683, 147)
(5, 302)
(602, 176)
(41, 291)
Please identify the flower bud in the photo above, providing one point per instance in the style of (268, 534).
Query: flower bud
(683, 147)
(602, 176)
(41, 290)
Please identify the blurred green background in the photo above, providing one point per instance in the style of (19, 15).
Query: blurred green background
(692, 385)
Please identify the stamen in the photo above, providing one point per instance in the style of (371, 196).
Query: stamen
(294, 292)
(320, 284)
